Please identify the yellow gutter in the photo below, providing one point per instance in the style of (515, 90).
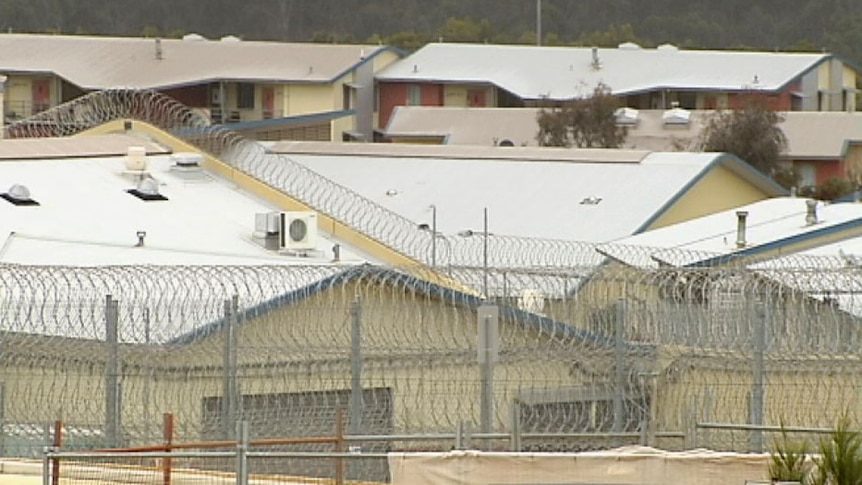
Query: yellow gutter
(325, 223)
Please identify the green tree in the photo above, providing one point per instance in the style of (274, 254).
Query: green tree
(614, 36)
(582, 122)
(466, 30)
(752, 134)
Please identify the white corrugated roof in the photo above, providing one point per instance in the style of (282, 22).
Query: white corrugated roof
(116, 62)
(74, 147)
(770, 224)
(85, 217)
(532, 72)
(581, 200)
(810, 134)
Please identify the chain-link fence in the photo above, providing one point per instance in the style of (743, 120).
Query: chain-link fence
(592, 353)
(627, 356)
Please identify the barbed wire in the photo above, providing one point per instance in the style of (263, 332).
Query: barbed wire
(296, 180)
(672, 346)
(593, 338)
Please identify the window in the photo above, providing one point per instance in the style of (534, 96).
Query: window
(414, 95)
(245, 96)
(348, 95)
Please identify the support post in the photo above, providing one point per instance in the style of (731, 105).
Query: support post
(242, 453)
(230, 373)
(112, 374)
(168, 436)
(619, 367)
(485, 256)
(488, 316)
(515, 416)
(760, 321)
(356, 403)
(339, 446)
(56, 445)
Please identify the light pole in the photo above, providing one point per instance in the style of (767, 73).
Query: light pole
(485, 234)
(433, 235)
(485, 255)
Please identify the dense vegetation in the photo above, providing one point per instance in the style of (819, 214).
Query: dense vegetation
(831, 25)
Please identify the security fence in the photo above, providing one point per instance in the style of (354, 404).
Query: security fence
(629, 355)
(563, 345)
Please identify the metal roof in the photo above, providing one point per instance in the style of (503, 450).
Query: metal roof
(772, 225)
(810, 134)
(74, 147)
(86, 217)
(580, 199)
(120, 62)
(531, 72)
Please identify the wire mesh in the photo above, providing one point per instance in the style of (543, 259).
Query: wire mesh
(593, 352)
(630, 353)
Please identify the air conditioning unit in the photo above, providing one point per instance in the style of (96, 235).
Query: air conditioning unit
(298, 230)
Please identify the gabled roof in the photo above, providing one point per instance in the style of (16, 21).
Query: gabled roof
(565, 194)
(120, 62)
(817, 135)
(534, 73)
(390, 277)
(773, 227)
(85, 215)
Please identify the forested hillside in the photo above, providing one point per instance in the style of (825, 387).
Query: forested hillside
(831, 25)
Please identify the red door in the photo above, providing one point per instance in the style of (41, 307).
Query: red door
(41, 95)
(268, 95)
(476, 98)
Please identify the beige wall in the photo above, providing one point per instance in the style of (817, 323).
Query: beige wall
(302, 99)
(719, 190)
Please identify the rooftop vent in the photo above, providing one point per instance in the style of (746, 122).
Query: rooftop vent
(810, 212)
(188, 166)
(596, 63)
(159, 53)
(626, 116)
(148, 190)
(136, 159)
(19, 195)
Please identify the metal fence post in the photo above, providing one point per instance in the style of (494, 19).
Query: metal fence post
(242, 453)
(231, 308)
(619, 366)
(760, 321)
(46, 455)
(57, 443)
(339, 446)
(356, 403)
(515, 416)
(168, 436)
(112, 374)
(488, 316)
